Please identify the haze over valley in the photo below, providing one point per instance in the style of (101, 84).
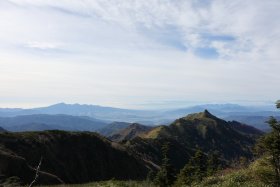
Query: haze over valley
(93, 117)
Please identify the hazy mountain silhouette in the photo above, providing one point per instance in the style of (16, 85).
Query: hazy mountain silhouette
(259, 122)
(37, 122)
(147, 117)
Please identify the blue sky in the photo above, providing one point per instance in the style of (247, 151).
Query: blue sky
(136, 54)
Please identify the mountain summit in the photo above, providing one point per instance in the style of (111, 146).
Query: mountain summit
(200, 130)
(200, 115)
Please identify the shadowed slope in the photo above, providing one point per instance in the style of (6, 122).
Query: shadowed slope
(74, 157)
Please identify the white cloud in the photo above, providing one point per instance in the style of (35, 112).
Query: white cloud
(124, 52)
(243, 20)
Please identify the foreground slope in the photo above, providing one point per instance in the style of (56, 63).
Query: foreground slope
(71, 157)
(201, 130)
(258, 173)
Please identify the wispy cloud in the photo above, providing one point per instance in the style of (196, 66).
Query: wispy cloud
(151, 50)
(219, 25)
(42, 45)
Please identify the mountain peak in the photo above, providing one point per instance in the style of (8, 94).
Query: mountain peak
(57, 105)
(207, 114)
(200, 115)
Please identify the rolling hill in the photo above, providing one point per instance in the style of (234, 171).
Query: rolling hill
(130, 132)
(112, 128)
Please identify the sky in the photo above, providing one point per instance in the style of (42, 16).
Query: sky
(139, 53)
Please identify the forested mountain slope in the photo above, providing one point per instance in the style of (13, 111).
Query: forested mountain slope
(71, 157)
(200, 130)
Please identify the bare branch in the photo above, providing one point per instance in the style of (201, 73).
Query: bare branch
(37, 173)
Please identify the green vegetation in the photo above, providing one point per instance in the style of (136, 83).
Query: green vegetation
(156, 132)
(198, 167)
(129, 132)
(269, 147)
(258, 174)
(166, 175)
(109, 183)
(214, 163)
(272, 147)
(201, 130)
(194, 170)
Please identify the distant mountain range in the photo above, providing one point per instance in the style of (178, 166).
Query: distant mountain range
(40, 122)
(256, 121)
(252, 115)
